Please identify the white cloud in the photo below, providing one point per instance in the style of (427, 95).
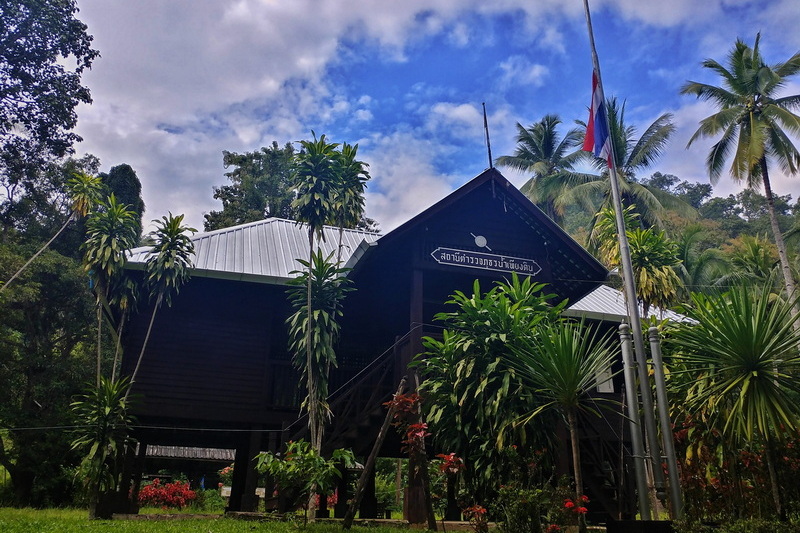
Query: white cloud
(407, 182)
(666, 13)
(518, 70)
(362, 115)
(689, 163)
(180, 81)
(460, 35)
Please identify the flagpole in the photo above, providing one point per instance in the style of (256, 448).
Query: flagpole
(629, 286)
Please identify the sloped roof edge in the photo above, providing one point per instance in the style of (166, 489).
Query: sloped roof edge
(264, 251)
(608, 304)
(492, 175)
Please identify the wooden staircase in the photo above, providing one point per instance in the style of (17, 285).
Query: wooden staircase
(357, 406)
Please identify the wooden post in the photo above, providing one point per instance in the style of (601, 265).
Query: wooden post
(240, 466)
(136, 482)
(249, 498)
(369, 503)
(370, 465)
(343, 491)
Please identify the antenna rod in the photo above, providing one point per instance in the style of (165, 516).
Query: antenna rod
(486, 129)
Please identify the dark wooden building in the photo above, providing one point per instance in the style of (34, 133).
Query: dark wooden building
(217, 373)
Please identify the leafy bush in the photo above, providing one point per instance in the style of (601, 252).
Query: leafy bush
(172, 495)
(302, 468)
(208, 501)
(520, 509)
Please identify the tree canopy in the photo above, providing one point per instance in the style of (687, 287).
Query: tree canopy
(260, 187)
(44, 50)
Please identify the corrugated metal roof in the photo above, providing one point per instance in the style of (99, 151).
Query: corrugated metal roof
(263, 251)
(606, 303)
(190, 452)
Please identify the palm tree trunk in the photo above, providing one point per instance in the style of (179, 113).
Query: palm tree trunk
(776, 232)
(118, 349)
(572, 422)
(99, 339)
(42, 249)
(769, 453)
(313, 405)
(144, 345)
(339, 247)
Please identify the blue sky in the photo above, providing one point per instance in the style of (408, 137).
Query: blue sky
(181, 81)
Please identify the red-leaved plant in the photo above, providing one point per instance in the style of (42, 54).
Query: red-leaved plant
(171, 495)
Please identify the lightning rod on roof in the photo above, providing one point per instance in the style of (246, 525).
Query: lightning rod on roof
(486, 129)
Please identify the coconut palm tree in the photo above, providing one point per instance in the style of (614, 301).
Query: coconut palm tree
(348, 203)
(541, 152)
(561, 364)
(84, 192)
(112, 230)
(632, 155)
(743, 346)
(166, 269)
(315, 183)
(752, 122)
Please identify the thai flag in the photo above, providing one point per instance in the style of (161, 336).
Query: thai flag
(598, 139)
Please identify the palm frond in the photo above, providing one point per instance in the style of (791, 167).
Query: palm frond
(652, 142)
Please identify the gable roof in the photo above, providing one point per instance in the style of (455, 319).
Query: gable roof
(574, 271)
(264, 251)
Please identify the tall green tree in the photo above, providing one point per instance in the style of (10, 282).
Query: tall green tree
(46, 341)
(44, 50)
(632, 155)
(111, 230)
(124, 184)
(167, 269)
(84, 192)
(261, 187)
(550, 158)
(46, 355)
(348, 203)
(752, 123)
(742, 349)
(315, 183)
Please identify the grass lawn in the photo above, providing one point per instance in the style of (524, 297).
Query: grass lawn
(76, 521)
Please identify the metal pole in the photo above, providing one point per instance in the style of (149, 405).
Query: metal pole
(629, 289)
(633, 420)
(666, 425)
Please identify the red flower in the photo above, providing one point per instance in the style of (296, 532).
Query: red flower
(581, 510)
(552, 528)
(569, 504)
(585, 498)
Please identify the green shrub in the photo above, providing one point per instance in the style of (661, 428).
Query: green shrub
(520, 509)
(208, 501)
